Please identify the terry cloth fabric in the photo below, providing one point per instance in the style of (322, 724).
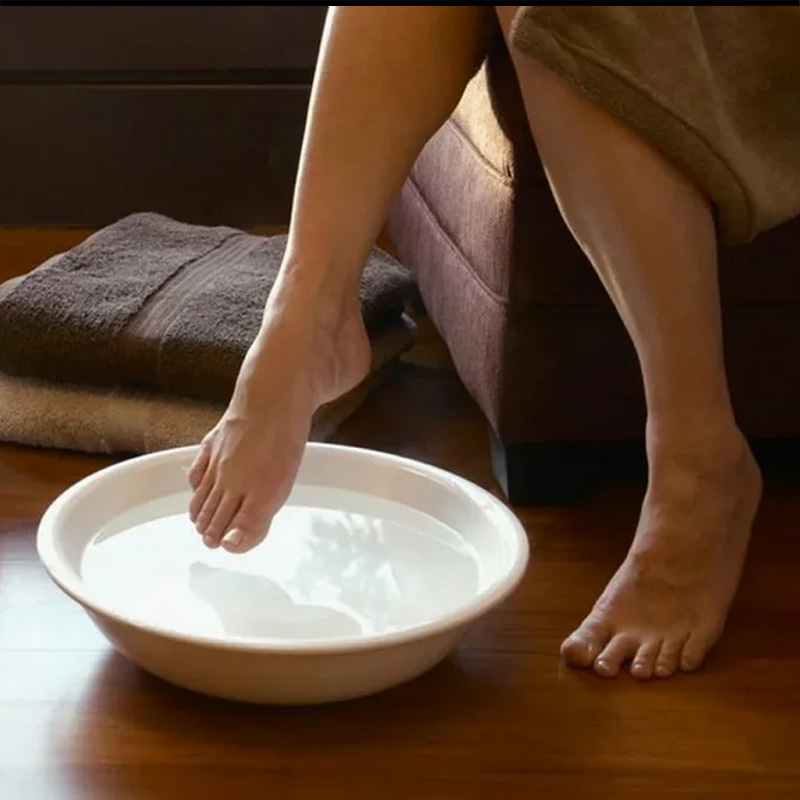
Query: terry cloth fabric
(715, 88)
(97, 420)
(156, 305)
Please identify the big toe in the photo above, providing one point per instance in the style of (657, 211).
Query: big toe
(249, 527)
(582, 647)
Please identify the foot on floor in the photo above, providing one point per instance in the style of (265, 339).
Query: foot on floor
(666, 605)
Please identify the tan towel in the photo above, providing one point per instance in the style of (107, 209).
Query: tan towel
(716, 88)
(152, 304)
(97, 420)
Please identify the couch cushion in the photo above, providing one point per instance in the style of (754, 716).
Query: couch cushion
(464, 177)
(482, 179)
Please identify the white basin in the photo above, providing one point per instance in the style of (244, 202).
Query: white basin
(370, 575)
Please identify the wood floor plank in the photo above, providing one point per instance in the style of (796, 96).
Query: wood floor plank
(503, 718)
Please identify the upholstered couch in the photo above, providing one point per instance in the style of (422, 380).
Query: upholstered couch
(531, 331)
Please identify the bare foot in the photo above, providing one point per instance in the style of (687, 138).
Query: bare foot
(309, 352)
(666, 605)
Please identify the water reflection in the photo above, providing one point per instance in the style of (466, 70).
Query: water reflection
(254, 606)
(386, 574)
(321, 573)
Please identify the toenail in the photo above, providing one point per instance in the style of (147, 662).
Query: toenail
(235, 538)
(209, 541)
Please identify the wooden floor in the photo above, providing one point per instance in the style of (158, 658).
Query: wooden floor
(503, 719)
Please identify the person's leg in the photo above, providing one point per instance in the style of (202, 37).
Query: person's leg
(650, 235)
(387, 78)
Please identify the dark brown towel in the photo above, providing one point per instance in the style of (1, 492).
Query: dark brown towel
(153, 304)
(716, 88)
(106, 420)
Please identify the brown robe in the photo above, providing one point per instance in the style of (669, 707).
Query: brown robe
(715, 88)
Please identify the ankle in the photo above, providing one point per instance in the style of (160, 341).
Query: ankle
(710, 448)
(323, 281)
(716, 432)
(309, 340)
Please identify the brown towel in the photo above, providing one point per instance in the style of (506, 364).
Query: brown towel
(716, 88)
(98, 420)
(157, 305)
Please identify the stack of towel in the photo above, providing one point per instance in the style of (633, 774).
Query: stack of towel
(132, 341)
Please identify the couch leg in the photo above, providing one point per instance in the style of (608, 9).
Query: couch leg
(559, 473)
(539, 474)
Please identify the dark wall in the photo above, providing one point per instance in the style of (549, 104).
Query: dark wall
(196, 112)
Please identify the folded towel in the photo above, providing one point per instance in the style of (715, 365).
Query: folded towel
(714, 87)
(152, 304)
(99, 420)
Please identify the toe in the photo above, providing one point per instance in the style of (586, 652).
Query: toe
(206, 513)
(615, 654)
(695, 651)
(201, 493)
(248, 528)
(581, 648)
(199, 466)
(668, 658)
(644, 663)
(221, 521)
